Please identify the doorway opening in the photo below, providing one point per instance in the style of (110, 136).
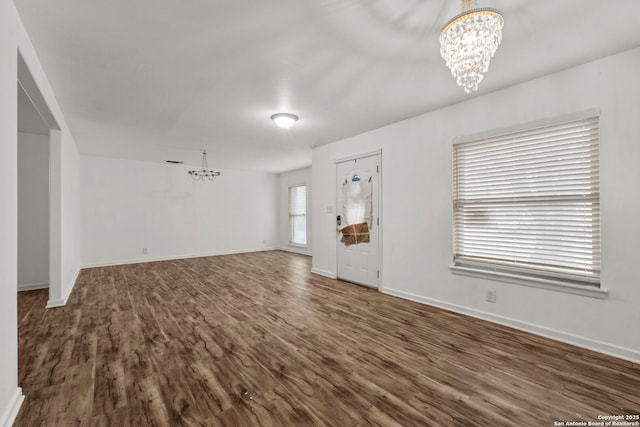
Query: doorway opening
(38, 141)
(33, 196)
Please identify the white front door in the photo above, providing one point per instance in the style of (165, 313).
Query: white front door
(356, 179)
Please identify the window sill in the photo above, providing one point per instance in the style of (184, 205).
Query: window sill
(298, 245)
(535, 282)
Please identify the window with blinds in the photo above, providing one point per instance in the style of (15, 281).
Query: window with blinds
(529, 202)
(298, 215)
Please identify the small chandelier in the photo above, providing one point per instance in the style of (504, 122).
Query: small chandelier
(204, 172)
(469, 41)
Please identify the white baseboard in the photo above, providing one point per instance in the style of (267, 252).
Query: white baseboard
(63, 301)
(173, 257)
(579, 341)
(8, 415)
(296, 250)
(324, 273)
(32, 286)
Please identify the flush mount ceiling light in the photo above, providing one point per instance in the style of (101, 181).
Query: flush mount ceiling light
(284, 120)
(204, 172)
(469, 41)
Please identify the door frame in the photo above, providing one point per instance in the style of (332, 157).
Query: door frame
(377, 152)
(29, 85)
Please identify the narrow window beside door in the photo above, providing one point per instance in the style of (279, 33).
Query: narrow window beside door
(298, 215)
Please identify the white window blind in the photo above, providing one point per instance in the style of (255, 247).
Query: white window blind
(298, 215)
(529, 201)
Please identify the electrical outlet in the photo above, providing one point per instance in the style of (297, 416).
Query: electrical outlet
(264, 242)
(145, 251)
(491, 296)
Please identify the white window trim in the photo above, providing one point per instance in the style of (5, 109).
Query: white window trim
(530, 281)
(504, 274)
(291, 243)
(298, 245)
(548, 121)
(294, 244)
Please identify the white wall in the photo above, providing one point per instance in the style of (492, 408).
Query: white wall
(33, 211)
(128, 205)
(67, 258)
(417, 205)
(9, 392)
(286, 180)
(65, 262)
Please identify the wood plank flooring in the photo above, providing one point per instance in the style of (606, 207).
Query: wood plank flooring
(257, 340)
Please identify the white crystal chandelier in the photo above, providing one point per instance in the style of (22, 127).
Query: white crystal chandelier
(469, 41)
(204, 172)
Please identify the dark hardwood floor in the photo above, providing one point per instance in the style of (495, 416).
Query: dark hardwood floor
(257, 340)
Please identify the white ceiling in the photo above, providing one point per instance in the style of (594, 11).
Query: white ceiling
(163, 79)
